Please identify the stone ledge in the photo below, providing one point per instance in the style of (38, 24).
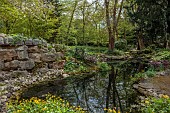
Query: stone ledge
(9, 41)
(155, 86)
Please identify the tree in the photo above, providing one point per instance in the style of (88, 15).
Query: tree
(33, 18)
(112, 28)
(8, 15)
(71, 18)
(151, 19)
(56, 14)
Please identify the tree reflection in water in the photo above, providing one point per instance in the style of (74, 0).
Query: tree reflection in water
(95, 92)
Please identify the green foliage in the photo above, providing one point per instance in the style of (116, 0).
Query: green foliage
(121, 44)
(162, 55)
(74, 66)
(50, 47)
(149, 73)
(103, 66)
(91, 49)
(72, 41)
(51, 104)
(151, 19)
(70, 66)
(18, 37)
(116, 52)
(61, 47)
(157, 105)
(31, 18)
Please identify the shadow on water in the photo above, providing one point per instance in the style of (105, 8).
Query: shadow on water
(95, 92)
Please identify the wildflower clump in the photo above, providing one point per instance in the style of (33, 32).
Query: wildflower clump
(157, 105)
(51, 104)
(111, 110)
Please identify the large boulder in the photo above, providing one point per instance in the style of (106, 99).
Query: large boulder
(37, 42)
(48, 57)
(156, 85)
(22, 52)
(29, 42)
(12, 65)
(8, 41)
(27, 65)
(35, 56)
(7, 54)
(34, 49)
(44, 43)
(1, 41)
(2, 35)
(19, 42)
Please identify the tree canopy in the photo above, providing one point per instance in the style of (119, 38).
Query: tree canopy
(85, 22)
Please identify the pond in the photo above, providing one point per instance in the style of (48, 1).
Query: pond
(94, 92)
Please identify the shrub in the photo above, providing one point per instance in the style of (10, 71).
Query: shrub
(162, 55)
(157, 105)
(115, 52)
(103, 66)
(121, 44)
(18, 37)
(51, 104)
(80, 53)
(149, 73)
(75, 67)
(60, 47)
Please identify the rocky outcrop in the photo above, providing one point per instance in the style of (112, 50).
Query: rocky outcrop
(155, 86)
(24, 63)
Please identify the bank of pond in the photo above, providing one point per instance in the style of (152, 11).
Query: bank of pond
(104, 91)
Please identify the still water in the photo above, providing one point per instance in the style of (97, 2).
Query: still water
(94, 92)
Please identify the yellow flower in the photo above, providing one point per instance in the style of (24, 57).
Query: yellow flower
(105, 109)
(109, 110)
(36, 101)
(63, 105)
(114, 111)
(44, 109)
(18, 111)
(67, 104)
(146, 101)
(77, 108)
(165, 96)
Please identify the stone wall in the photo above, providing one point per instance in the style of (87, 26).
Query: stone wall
(24, 55)
(26, 62)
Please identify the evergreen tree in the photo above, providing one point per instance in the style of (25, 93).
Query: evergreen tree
(56, 14)
(151, 19)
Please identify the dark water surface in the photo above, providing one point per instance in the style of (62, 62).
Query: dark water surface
(94, 92)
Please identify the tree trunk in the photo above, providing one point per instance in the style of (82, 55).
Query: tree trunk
(71, 19)
(140, 41)
(112, 31)
(83, 12)
(111, 37)
(7, 26)
(118, 17)
(124, 33)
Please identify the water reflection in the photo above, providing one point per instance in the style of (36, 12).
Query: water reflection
(95, 92)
